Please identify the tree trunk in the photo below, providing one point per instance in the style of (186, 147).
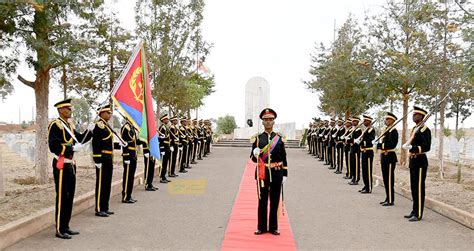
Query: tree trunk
(441, 137)
(64, 81)
(403, 155)
(41, 88)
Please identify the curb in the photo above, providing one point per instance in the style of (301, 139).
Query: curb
(458, 215)
(32, 224)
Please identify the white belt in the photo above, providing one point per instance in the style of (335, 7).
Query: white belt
(66, 160)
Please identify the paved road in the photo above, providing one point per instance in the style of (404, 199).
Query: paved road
(324, 212)
(327, 213)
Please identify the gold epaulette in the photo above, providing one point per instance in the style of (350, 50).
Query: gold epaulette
(59, 124)
(370, 130)
(423, 129)
(253, 138)
(100, 124)
(283, 137)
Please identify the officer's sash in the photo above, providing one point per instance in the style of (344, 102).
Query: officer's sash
(265, 153)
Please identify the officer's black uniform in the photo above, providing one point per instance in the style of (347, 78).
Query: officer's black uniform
(129, 154)
(274, 173)
(347, 149)
(340, 148)
(164, 138)
(150, 162)
(355, 155)
(183, 139)
(102, 148)
(420, 144)
(201, 135)
(332, 145)
(61, 145)
(367, 149)
(388, 160)
(191, 145)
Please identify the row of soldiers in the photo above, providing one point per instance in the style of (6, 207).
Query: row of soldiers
(179, 147)
(348, 144)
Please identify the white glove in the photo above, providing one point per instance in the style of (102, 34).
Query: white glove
(205, 141)
(347, 138)
(91, 127)
(334, 135)
(357, 141)
(171, 148)
(146, 155)
(123, 144)
(98, 165)
(374, 142)
(126, 162)
(284, 180)
(406, 146)
(77, 147)
(180, 148)
(256, 151)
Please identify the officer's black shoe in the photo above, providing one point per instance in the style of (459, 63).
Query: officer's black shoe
(63, 236)
(409, 216)
(346, 177)
(276, 232)
(101, 214)
(259, 232)
(164, 181)
(386, 204)
(199, 158)
(193, 162)
(366, 191)
(71, 232)
(183, 171)
(151, 188)
(382, 202)
(353, 183)
(414, 218)
(173, 175)
(128, 201)
(189, 167)
(361, 190)
(109, 212)
(134, 200)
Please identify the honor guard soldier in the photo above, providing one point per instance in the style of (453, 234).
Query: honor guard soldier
(209, 134)
(367, 149)
(339, 146)
(206, 137)
(176, 146)
(190, 134)
(165, 147)
(64, 141)
(194, 130)
(326, 133)
(268, 152)
(129, 154)
(183, 139)
(149, 172)
(201, 135)
(102, 148)
(308, 138)
(355, 152)
(347, 147)
(418, 144)
(388, 158)
(332, 144)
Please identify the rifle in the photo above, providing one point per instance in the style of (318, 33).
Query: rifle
(365, 130)
(392, 126)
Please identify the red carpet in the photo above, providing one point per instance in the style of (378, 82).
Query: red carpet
(243, 221)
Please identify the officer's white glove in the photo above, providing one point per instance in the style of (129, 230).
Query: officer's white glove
(180, 148)
(91, 127)
(77, 147)
(357, 141)
(334, 135)
(406, 146)
(284, 180)
(171, 148)
(374, 142)
(205, 141)
(123, 144)
(98, 165)
(126, 162)
(256, 151)
(146, 155)
(348, 138)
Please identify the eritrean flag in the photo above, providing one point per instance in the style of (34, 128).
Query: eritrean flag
(132, 95)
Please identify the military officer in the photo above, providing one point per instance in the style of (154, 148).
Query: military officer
(183, 139)
(354, 154)
(201, 135)
(418, 144)
(347, 147)
(332, 144)
(339, 146)
(165, 147)
(268, 152)
(149, 172)
(367, 149)
(191, 145)
(129, 154)
(388, 158)
(194, 130)
(64, 140)
(102, 148)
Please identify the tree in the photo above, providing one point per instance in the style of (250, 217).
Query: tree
(343, 74)
(35, 33)
(226, 125)
(401, 52)
(171, 32)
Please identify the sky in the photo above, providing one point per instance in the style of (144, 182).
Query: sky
(272, 39)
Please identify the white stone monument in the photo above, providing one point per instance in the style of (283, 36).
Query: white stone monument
(257, 97)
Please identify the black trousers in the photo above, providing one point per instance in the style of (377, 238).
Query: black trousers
(149, 171)
(174, 160)
(348, 162)
(65, 184)
(201, 148)
(190, 153)
(367, 169)
(195, 149)
(128, 178)
(184, 157)
(332, 155)
(165, 162)
(208, 145)
(340, 157)
(355, 166)
(270, 190)
(103, 184)
(418, 167)
(388, 163)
